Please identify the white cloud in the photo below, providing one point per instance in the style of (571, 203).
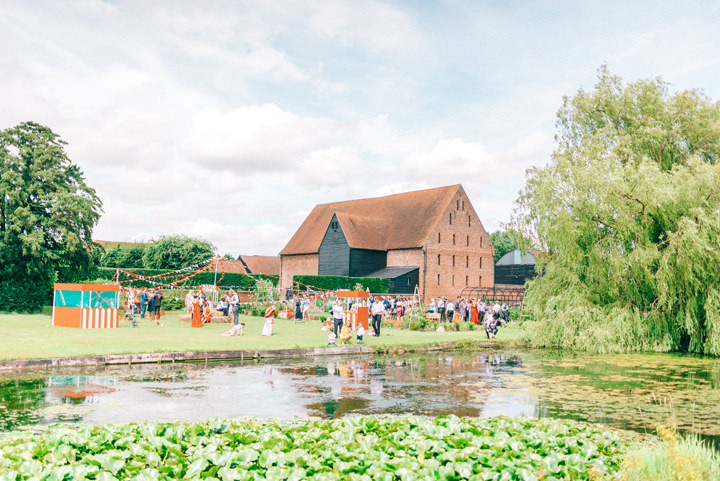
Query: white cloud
(230, 121)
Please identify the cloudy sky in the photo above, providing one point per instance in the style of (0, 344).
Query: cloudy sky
(229, 120)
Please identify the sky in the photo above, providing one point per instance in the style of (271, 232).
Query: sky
(230, 120)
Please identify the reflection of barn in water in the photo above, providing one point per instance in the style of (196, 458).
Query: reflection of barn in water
(425, 386)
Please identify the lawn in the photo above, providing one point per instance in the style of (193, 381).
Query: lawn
(32, 336)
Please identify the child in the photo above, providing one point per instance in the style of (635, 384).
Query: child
(130, 314)
(360, 334)
(331, 339)
(345, 334)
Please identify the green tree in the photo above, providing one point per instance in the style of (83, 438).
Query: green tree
(124, 257)
(504, 242)
(629, 208)
(47, 213)
(175, 252)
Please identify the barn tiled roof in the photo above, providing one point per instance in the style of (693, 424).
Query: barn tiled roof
(232, 267)
(397, 221)
(263, 264)
(364, 232)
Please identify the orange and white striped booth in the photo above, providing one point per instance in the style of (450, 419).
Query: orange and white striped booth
(359, 314)
(86, 306)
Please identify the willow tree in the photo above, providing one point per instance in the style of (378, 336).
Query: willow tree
(629, 209)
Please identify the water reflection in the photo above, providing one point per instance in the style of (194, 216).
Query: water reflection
(631, 391)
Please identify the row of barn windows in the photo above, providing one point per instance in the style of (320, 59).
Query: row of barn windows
(467, 261)
(454, 237)
(467, 280)
(469, 219)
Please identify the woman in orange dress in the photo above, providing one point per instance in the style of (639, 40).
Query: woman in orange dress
(196, 312)
(474, 317)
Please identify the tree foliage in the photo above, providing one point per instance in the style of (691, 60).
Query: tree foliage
(504, 241)
(47, 213)
(125, 257)
(629, 208)
(175, 252)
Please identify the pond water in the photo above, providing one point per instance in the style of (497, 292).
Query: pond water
(636, 392)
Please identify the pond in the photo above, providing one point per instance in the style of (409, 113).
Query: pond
(638, 391)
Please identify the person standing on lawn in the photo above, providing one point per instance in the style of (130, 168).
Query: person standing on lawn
(143, 302)
(235, 304)
(338, 314)
(196, 312)
(377, 311)
(158, 303)
(268, 326)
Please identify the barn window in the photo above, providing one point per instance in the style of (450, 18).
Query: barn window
(466, 281)
(438, 237)
(467, 243)
(453, 239)
(480, 241)
(457, 204)
(467, 261)
(463, 205)
(453, 279)
(438, 259)
(450, 218)
(479, 281)
(438, 279)
(481, 263)
(453, 261)
(469, 221)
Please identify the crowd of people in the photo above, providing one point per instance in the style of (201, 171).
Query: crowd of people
(200, 308)
(142, 301)
(470, 310)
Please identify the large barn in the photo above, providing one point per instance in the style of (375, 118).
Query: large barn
(430, 238)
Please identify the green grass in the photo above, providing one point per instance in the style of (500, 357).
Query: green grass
(671, 458)
(32, 336)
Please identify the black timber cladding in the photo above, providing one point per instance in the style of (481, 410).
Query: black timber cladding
(334, 251)
(403, 279)
(514, 274)
(405, 283)
(363, 261)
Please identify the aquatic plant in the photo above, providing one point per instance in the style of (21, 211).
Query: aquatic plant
(360, 448)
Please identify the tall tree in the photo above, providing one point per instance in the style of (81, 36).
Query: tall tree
(504, 241)
(47, 213)
(629, 208)
(175, 252)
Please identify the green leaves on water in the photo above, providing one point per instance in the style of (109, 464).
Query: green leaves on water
(362, 448)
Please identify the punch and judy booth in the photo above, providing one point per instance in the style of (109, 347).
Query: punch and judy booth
(86, 306)
(358, 314)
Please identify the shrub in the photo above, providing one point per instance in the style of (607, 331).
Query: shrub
(418, 324)
(332, 283)
(19, 297)
(466, 326)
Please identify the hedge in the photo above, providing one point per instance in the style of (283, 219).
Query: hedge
(19, 297)
(332, 283)
(242, 281)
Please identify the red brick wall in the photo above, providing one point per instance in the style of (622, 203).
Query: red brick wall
(407, 257)
(302, 264)
(470, 244)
